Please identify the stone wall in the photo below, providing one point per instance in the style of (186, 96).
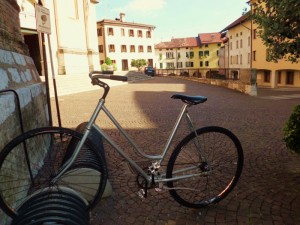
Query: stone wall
(18, 73)
(238, 85)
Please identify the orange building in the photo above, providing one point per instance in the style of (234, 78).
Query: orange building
(271, 74)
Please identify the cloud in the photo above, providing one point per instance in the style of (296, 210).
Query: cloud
(145, 5)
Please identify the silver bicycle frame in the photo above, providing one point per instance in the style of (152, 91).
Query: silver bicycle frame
(91, 124)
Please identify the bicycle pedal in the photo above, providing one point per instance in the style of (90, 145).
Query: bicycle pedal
(141, 193)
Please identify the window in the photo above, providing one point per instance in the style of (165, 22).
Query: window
(236, 34)
(130, 33)
(149, 48)
(231, 59)
(170, 65)
(139, 33)
(254, 33)
(191, 55)
(189, 64)
(237, 44)
(249, 58)
(290, 77)
(249, 41)
(122, 32)
(230, 45)
(179, 64)
(132, 48)
(267, 76)
(111, 48)
(206, 53)
(241, 33)
(200, 54)
(206, 46)
(219, 45)
(72, 9)
(160, 65)
(237, 59)
(279, 77)
(148, 34)
(201, 64)
(123, 48)
(110, 31)
(241, 43)
(141, 48)
(169, 55)
(99, 32)
(100, 48)
(241, 59)
(206, 63)
(254, 56)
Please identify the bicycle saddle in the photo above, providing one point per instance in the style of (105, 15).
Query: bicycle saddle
(191, 100)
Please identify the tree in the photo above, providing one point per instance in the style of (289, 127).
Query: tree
(279, 27)
(138, 63)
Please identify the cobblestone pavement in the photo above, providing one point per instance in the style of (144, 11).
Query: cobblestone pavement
(268, 192)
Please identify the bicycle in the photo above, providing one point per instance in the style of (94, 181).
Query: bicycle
(202, 170)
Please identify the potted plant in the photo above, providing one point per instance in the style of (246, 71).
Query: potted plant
(108, 66)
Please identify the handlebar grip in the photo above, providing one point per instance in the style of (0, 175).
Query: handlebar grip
(118, 77)
(98, 74)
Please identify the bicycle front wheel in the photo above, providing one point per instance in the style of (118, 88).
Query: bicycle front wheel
(30, 161)
(204, 167)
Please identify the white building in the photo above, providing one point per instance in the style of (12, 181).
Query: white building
(124, 41)
(73, 35)
(236, 54)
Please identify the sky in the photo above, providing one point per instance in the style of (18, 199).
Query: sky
(175, 18)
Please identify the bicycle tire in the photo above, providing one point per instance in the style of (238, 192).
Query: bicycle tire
(46, 148)
(220, 170)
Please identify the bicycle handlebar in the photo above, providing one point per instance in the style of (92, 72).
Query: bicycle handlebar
(98, 74)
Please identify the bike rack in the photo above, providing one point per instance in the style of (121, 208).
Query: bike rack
(53, 207)
(19, 107)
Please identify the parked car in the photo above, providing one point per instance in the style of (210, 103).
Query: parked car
(149, 70)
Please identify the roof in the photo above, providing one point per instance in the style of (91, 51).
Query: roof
(205, 38)
(237, 22)
(179, 42)
(208, 38)
(118, 22)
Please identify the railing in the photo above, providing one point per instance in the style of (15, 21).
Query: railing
(243, 75)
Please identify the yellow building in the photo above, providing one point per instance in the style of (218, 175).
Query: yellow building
(196, 55)
(271, 74)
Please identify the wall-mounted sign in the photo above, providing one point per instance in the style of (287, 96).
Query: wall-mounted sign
(42, 16)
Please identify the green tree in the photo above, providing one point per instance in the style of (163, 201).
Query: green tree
(138, 63)
(279, 27)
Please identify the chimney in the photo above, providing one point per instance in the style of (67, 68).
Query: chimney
(122, 17)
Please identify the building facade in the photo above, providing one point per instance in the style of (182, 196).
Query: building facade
(73, 38)
(237, 47)
(124, 41)
(197, 54)
(272, 74)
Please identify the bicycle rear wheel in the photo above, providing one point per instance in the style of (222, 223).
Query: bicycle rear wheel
(30, 161)
(211, 162)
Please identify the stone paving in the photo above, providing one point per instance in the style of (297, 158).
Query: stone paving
(268, 192)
